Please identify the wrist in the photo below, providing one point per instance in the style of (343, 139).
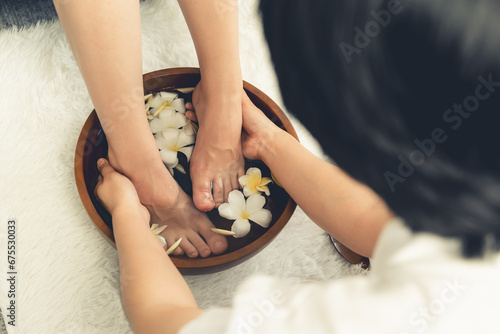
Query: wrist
(270, 144)
(222, 81)
(129, 212)
(133, 161)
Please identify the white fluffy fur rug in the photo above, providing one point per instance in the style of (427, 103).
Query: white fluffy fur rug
(68, 275)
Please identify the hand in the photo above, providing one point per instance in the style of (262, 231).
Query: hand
(116, 191)
(258, 130)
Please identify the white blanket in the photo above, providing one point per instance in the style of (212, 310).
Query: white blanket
(67, 273)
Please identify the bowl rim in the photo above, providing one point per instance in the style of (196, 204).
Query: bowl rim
(212, 261)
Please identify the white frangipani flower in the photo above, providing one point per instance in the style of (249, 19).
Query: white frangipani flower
(241, 211)
(173, 131)
(163, 100)
(156, 231)
(190, 128)
(168, 118)
(254, 183)
(171, 141)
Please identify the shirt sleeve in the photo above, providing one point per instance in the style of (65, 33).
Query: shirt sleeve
(265, 305)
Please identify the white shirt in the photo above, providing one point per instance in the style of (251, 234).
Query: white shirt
(418, 283)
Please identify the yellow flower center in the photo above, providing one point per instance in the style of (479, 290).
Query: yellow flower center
(254, 181)
(244, 215)
(174, 148)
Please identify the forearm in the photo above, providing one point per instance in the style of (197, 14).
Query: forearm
(154, 294)
(343, 207)
(105, 37)
(214, 28)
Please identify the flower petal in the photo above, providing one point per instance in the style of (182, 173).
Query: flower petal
(243, 180)
(229, 212)
(240, 227)
(161, 240)
(161, 142)
(171, 136)
(265, 181)
(185, 90)
(179, 105)
(254, 203)
(156, 125)
(264, 189)
(173, 247)
(154, 102)
(249, 191)
(166, 114)
(169, 157)
(237, 200)
(185, 140)
(180, 168)
(221, 231)
(262, 217)
(189, 128)
(158, 230)
(188, 151)
(254, 171)
(172, 119)
(167, 96)
(179, 120)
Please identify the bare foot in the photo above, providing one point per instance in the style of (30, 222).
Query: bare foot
(169, 205)
(217, 161)
(184, 221)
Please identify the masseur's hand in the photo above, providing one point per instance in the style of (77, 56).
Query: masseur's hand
(258, 130)
(116, 192)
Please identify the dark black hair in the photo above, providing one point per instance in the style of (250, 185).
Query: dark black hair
(405, 97)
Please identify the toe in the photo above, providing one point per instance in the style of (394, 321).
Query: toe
(229, 185)
(188, 247)
(178, 251)
(170, 241)
(202, 194)
(241, 172)
(200, 245)
(216, 242)
(234, 182)
(218, 190)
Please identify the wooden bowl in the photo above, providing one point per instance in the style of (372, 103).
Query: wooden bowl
(92, 145)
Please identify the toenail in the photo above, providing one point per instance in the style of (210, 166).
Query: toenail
(218, 245)
(206, 252)
(193, 254)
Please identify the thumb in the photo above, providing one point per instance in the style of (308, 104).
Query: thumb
(104, 167)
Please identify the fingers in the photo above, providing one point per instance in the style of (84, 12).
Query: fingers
(99, 183)
(104, 167)
(192, 115)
